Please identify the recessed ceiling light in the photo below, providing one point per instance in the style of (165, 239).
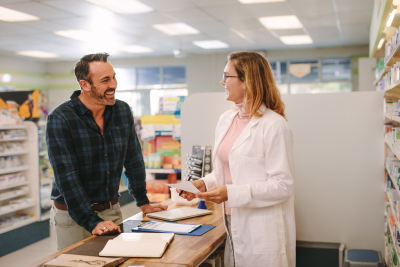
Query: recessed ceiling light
(281, 22)
(296, 39)
(10, 15)
(211, 44)
(81, 35)
(259, 1)
(39, 54)
(122, 6)
(135, 49)
(176, 28)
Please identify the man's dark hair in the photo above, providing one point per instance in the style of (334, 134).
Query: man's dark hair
(82, 67)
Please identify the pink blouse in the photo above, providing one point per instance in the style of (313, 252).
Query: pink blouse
(239, 123)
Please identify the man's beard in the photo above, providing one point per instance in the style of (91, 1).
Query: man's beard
(102, 97)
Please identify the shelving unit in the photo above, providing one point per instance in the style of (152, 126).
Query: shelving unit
(46, 175)
(381, 75)
(29, 158)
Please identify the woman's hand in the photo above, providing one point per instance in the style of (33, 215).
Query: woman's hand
(217, 194)
(199, 184)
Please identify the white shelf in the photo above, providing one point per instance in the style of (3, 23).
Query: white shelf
(14, 185)
(14, 153)
(17, 225)
(160, 170)
(15, 169)
(393, 238)
(13, 196)
(46, 181)
(123, 189)
(43, 153)
(42, 123)
(45, 217)
(381, 74)
(14, 139)
(19, 208)
(12, 127)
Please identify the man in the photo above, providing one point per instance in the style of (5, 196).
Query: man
(90, 138)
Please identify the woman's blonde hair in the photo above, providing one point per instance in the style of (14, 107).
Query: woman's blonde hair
(255, 72)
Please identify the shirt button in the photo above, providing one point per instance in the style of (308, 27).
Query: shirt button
(95, 124)
(104, 136)
(108, 172)
(107, 189)
(106, 155)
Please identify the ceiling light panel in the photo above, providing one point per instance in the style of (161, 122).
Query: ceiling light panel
(176, 28)
(281, 22)
(10, 15)
(211, 44)
(123, 6)
(38, 54)
(296, 39)
(81, 35)
(259, 1)
(135, 49)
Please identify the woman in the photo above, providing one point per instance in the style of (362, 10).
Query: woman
(253, 168)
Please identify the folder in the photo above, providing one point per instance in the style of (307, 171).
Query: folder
(197, 232)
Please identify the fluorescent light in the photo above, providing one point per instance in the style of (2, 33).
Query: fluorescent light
(259, 1)
(211, 44)
(10, 15)
(391, 17)
(281, 22)
(122, 6)
(36, 53)
(135, 49)
(176, 28)
(81, 35)
(381, 43)
(296, 39)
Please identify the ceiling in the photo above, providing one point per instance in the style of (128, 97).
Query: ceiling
(329, 23)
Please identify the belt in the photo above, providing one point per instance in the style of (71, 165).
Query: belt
(95, 206)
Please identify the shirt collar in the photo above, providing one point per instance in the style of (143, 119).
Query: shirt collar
(78, 105)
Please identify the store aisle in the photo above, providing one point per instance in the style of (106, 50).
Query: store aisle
(48, 246)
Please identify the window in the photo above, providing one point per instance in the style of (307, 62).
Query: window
(313, 76)
(143, 88)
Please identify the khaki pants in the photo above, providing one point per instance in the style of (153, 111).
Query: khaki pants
(229, 256)
(68, 232)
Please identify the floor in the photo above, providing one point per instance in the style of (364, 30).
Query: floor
(48, 246)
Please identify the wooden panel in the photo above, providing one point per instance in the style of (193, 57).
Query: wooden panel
(184, 250)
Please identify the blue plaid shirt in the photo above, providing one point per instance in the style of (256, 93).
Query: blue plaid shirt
(87, 165)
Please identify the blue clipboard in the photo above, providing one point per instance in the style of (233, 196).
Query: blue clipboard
(197, 232)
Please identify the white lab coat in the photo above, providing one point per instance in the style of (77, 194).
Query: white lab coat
(261, 195)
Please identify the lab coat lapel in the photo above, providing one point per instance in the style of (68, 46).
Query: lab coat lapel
(225, 125)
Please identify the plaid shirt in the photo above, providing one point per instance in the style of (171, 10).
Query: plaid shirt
(87, 165)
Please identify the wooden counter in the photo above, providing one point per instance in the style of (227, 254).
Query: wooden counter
(184, 251)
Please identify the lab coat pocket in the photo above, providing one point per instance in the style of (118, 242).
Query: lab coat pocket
(252, 167)
(268, 234)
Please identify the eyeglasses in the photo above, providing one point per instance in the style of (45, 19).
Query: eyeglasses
(227, 76)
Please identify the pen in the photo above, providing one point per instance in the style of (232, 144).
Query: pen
(181, 192)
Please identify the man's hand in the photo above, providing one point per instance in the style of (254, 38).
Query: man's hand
(147, 208)
(199, 184)
(217, 194)
(105, 228)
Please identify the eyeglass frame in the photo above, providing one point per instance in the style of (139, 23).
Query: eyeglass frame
(227, 76)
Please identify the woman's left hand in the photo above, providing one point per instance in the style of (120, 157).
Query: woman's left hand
(217, 194)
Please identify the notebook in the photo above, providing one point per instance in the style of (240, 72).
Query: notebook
(70, 260)
(178, 214)
(141, 245)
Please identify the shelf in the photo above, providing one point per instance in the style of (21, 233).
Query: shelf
(388, 116)
(14, 153)
(14, 139)
(13, 196)
(123, 189)
(395, 118)
(42, 123)
(393, 86)
(17, 209)
(394, 57)
(13, 127)
(393, 239)
(45, 217)
(381, 75)
(163, 170)
(43, 153)
(18, 225)
(46, 181)
(14, 185)
(15, 169)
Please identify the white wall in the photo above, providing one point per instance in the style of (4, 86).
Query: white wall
(339, 159)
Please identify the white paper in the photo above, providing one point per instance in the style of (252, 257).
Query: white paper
(186, 186)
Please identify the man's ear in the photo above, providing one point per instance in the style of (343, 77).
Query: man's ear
(85, 85)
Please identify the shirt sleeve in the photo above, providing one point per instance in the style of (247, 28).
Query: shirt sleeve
(134, 168)
(64, 162)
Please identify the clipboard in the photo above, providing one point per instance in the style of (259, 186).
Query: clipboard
(197, 232)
